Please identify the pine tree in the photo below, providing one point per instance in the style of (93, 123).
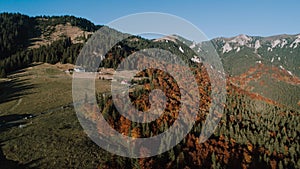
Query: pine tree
(213, 160)
(171, 155)
(2, 73)
(280, 165)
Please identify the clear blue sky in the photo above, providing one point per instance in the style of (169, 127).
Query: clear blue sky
(215, 18)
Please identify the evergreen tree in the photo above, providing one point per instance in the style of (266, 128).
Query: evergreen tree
(2, 73)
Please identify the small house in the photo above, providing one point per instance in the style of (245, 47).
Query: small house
(79, 69)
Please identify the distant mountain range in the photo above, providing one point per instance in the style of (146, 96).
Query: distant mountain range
(268, 66)
(281, 50)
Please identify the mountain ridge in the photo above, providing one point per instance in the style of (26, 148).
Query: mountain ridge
(240, 54)
(268, 66)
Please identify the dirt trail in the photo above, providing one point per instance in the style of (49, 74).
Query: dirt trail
(16, 105)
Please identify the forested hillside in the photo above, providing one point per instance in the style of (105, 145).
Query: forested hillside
(18, 33)
(15, 31)
(255, 132)
(267, 66)
(260, 125)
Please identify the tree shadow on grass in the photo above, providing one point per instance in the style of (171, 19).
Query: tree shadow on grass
(11, 164)
(14, 89)
(7, 122)
(16, 86)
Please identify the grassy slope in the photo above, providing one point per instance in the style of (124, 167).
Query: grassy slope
(53, 139)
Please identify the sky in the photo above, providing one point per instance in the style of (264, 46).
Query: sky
(225, 18)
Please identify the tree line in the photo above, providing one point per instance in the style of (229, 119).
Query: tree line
(63, 51)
